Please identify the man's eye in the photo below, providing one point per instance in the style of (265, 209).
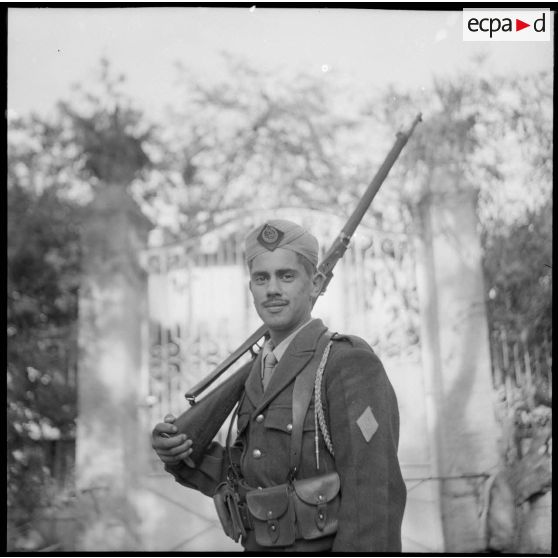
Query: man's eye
(259, 280)
(288, 276)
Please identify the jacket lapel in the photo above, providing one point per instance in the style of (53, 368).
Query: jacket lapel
(296, 357)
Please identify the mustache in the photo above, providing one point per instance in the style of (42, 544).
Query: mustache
(274, 302)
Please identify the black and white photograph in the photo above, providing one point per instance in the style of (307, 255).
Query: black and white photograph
(279, 278)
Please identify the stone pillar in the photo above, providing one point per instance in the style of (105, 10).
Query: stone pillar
(112, 313)
(456, 357)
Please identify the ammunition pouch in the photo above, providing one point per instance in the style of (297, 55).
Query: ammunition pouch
(306, 508)
(272, 513)
(316, 503)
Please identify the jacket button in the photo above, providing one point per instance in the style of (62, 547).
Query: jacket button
(256, 454)
(289, 427)
(259, 418)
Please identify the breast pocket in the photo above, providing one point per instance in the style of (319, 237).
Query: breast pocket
(281, 418)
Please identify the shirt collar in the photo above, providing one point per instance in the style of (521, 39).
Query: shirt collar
(279, 351)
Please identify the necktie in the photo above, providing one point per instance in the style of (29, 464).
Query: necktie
(269, 364)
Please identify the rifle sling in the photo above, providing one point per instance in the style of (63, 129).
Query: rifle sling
(302, 394)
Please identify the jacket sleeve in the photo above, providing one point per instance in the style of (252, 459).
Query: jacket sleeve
(207, 475)
(364, 423)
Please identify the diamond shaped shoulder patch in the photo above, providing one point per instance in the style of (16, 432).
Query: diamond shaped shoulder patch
(367, 423)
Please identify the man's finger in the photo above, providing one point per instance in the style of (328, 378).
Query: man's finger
(181, 448)
(166, 443)
(175, 459)
(164, 429)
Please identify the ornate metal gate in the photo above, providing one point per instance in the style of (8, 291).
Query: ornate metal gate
(200, 307)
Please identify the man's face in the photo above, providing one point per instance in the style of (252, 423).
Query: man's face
(282, 290)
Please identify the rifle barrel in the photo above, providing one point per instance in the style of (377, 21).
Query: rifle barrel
(374, 186)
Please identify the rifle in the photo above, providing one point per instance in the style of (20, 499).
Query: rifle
(204, 419)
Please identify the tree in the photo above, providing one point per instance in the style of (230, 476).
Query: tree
(518, 263)
(108, 131)
(43, 280)
(251, 141)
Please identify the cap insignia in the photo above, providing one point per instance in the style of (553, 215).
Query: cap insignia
(270, 237)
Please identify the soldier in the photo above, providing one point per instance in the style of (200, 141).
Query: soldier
(314, 467)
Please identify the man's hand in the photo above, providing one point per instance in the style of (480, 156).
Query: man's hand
(172, 448)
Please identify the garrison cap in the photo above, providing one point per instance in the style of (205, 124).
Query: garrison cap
(280, 233)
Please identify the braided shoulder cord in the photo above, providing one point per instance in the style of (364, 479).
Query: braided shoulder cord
(319, 418)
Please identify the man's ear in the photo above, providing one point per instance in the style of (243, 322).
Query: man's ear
(317, 283)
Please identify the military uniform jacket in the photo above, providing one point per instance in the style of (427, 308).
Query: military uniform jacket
(363, 419)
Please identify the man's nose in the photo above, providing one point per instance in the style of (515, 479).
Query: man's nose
(273, 287)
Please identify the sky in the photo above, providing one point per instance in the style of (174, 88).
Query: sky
(49, 49)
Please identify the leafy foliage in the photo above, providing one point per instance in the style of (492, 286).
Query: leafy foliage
(107, 130)
(247, 143)
(518, 264)
(43, 281)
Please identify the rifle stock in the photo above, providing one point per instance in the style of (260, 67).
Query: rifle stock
(204, 419)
